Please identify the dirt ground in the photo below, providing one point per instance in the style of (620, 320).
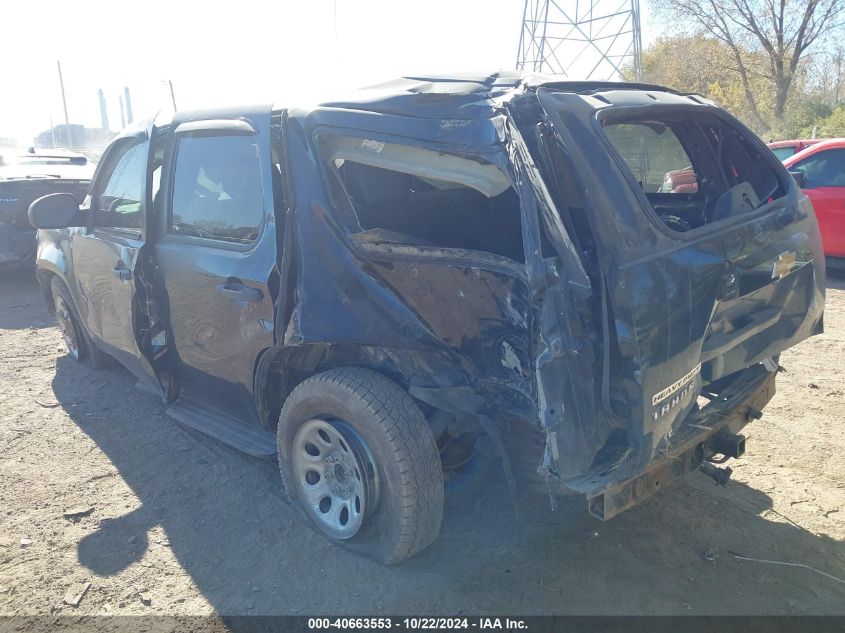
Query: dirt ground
(183, 525)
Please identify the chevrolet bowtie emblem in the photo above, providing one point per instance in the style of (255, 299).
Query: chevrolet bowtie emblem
(783, 265)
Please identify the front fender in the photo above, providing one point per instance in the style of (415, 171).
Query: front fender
(50, 260)
(50, 256)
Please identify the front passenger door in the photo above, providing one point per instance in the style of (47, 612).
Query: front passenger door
(106, 257)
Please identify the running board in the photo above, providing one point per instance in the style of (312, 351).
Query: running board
(223, 427)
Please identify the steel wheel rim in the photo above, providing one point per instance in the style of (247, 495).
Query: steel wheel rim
(335, 475)
(67, 327)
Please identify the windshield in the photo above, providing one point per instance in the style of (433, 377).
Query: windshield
(783, 153)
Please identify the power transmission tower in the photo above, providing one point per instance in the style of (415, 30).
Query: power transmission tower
(581, 39)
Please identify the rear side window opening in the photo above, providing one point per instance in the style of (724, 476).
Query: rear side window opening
(400, 194)
(694, 171)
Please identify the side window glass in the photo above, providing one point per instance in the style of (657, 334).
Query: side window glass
(217, 188)
(823, 169)
(118, 204)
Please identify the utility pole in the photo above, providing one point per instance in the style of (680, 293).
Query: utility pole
(127, 103)
(104, 114)
(64, 105)
(172, 96)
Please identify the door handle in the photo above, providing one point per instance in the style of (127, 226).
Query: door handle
(122, 272)
(239, 292)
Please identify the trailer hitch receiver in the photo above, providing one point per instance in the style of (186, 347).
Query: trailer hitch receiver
(729, 444)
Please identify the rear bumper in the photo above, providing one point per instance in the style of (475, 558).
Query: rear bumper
(694, 442)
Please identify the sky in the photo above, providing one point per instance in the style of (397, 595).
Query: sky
(293, 52)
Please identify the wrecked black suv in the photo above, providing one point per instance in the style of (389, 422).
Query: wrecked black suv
(600, 277)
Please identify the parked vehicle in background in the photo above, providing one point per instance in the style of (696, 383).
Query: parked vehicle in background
(821, 175)
(680, 181)
(25, 176)
(785, 149)
(368, 287)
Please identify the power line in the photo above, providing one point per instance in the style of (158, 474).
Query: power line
(581, 39)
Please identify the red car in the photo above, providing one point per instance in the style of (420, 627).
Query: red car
(785, 149)
(820, 171)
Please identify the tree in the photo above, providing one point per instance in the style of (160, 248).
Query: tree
(833, 125)
(690, 64)
(827, 74)
(781, 31)
(704, 65)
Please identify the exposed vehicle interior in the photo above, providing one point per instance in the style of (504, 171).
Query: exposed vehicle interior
(401, 199)
(694, 171)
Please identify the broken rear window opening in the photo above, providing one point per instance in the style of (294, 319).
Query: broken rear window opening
(694, 170)
(412, 196)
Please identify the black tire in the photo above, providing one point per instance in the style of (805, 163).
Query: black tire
(409, 509)
(86, 351)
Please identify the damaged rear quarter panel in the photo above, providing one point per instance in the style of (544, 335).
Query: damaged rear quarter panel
(470, 307)
(482, 314)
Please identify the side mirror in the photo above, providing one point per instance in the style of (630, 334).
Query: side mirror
(55, 211)
(800, 177)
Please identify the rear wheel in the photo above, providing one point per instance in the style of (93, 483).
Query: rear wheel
(79, 344)
(358, 458)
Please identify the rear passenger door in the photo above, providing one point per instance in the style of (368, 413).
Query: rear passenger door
(216, 256)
